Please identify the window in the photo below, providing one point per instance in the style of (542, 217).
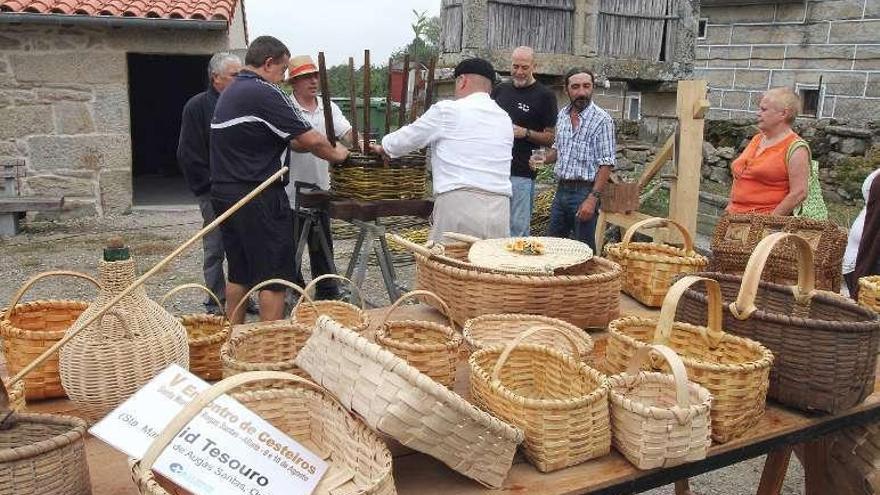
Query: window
(811, 100)
(701, 29)
(633, 106)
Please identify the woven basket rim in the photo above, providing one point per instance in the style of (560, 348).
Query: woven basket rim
(577, 367)
(765, 361)
(625, 380)
(217, 336)
(477, 322)
(674, 255)
(611, 270)
(384, 338)
(871, 322)
(870, 282)
(76, 433)
(7, 328)
(229, 361)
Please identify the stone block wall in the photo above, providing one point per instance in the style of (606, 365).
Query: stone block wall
(750, 48)
(64, 107)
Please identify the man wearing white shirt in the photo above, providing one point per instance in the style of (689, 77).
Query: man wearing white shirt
(311, 171)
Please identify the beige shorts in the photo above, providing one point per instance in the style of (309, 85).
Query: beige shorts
(471, 211)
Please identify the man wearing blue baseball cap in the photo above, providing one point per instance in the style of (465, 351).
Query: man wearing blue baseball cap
(471, 139)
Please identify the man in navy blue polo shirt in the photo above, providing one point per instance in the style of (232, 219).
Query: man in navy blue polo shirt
(255, 124)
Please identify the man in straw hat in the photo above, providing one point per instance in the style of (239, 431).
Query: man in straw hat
(471, 139)
(311, 172)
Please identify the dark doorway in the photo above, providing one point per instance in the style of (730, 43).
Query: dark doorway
(159, 86)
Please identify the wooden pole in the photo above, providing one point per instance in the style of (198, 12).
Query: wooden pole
(73, 332)
(388, 100)
(325, 100)
(414, 105)
(367, 129)
(352, 95)
(684, 193)
(401, 116)
(429, 86)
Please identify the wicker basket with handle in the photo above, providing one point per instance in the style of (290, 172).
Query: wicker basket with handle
(560, 403)
(498, 330)
(649, 268)
(265, 345)
(735, 370)
(397, 399)
(206, 334)
(825, 346)
(659, 420)
(29, 329)
(359, 461)
(869, 292)
(345, 313)
(430, 347)
(44, 454)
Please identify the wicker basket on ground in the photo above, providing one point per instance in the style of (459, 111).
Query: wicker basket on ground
(396, 399)
(29, 329)
(737, 236)
(560, 403)
(206, 334)
(824, 346)
(854, 460)
(736, 371)
(368, 177)
(359, 461)
(659, 420)
(869, 292)
(346, 314)
(44, 454)
(499, 329)
(649, 268)
(266, 345)
(430, 347)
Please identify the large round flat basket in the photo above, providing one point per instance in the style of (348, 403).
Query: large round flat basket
(555, 254)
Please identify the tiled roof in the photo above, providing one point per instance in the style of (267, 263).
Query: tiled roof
(167, 9)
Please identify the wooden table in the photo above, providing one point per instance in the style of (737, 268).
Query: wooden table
(416, 473)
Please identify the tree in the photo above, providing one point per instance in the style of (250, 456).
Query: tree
(426, 39)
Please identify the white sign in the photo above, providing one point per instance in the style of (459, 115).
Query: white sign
(225, 450)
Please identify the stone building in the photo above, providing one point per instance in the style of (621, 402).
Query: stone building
(91, 93)
(828, 50)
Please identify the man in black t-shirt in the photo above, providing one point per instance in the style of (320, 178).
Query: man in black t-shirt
(532, 108)
(254, 126)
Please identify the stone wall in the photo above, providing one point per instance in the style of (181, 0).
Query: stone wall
(64, 107)
(750, 48)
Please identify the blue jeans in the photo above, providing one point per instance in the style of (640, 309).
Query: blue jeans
(521, 205)
(212, 253)
(563, 214)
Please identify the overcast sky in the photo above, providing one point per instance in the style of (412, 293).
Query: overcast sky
(339, 28)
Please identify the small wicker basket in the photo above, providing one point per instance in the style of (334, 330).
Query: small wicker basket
(735, 370)
(359, 460)
(659, 420)
(560, 403)
(347, 314)
(430, 347)
(206, 334)
(44, 454)
(29, 329)
(498, 330)
(649, 268)
(869, 292)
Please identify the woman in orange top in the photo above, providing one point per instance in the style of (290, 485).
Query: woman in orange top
(762, 180)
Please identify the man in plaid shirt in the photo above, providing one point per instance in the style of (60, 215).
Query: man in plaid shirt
(584, 155)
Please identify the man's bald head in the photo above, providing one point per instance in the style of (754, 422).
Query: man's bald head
(468, 84)
(522, 66)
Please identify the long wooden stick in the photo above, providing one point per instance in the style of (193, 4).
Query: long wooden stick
(367, 129)
(414, 105)
(388, 100)
(143, 278)
(352, 95)
(401, 116)
(429, 85)
(325, 100)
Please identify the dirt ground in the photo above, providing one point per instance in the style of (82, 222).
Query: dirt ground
(77, 245)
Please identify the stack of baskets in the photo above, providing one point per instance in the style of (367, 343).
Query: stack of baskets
(29, 329)
(869, 292)
(825, 346)
(735, 370)
(649, 268)
(560, 403)
(430, 347)
(499, 329)
(737, 235)
(345, 313)
(368, 177)
(206, 333)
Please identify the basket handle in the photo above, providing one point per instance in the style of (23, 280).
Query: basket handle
(272, 281)
(679, 373)
(194, 286)
(173, 428)
(502, 360)
(657, 222)
(443, 307)
(36, 278)
(461, 237)
(314, 285)
(744, 305)
(712, 332)
(410, 245)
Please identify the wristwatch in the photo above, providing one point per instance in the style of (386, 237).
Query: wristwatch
(528, 133)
